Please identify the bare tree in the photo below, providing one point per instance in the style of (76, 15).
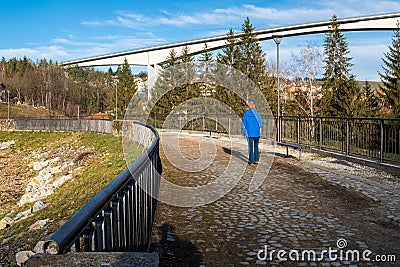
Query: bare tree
(306, 66)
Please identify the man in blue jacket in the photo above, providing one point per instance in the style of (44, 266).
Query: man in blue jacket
(251, 128)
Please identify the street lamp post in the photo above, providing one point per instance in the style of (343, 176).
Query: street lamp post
(278, 40)
(8, 104)
(116, 96)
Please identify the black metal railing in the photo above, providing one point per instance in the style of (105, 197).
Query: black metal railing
(371, 139)
(228, 123)
(375, 139)
(121, 216)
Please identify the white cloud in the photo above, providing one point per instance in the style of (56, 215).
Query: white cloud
(216, 22)
(66, 49)
(359, 7)
(53, 52)
(266, 16)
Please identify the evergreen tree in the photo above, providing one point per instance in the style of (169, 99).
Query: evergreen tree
(175, 79)
(251, 54)
(185, 56)
(245, 54)
(171, 60)
(126, 88)
(230, 55)
(391, 76)
(371, 101)
(340, 90)
(206, 61)
(110, 71)
(207, 55)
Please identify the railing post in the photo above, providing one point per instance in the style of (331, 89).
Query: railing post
(347, 136)
(298, 129)
(278, 133)
(382, 140)
(115, 231)
(107, 229)
(320, 133)
(229, 125)
(99, 241)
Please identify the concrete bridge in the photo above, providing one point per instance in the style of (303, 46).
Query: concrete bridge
(153, 56)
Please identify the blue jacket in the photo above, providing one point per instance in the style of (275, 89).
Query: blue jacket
(252, 123)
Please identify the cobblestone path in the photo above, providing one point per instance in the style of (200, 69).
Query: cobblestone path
(300, 208)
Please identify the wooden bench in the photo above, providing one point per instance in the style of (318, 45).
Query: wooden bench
(296, 146)
(214, 131)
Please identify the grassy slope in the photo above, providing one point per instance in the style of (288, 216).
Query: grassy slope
(25, 111)
(100, 170)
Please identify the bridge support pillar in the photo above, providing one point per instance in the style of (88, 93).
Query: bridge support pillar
(152, 75)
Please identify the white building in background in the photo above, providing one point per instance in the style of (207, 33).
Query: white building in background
(141, 87)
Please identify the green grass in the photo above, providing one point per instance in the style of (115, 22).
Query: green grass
(106, 164)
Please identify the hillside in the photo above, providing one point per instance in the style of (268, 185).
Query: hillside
(78, 164)
(25, 111)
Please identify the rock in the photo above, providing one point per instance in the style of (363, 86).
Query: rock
(39, 248)
(23, 256)
(5, 222)
(57, 183)
(260, 262)
(27, 198)
(38, 165)
(38, 206)
(52, 248)
(23, 215)
(39, 224)
(7, 144)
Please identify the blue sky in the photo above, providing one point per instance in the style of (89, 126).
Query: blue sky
(69, 29)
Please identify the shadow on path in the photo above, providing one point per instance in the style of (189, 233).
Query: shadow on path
(235, 153)
(174, 251)
(282, 155)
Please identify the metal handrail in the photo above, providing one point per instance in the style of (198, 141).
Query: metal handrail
(345, 118)
(68, 235)
(371, 139)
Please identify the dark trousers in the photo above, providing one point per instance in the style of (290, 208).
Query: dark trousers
(253, 149)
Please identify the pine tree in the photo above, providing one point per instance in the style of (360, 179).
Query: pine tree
(175, 84)
(391, 76)
(207, 55)
(171, 60)
(252, 56)
(230, 55)
(110, 71)
(185, 56)
(126, 88)
(245, 54)
(340, 90)
(371, 101)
